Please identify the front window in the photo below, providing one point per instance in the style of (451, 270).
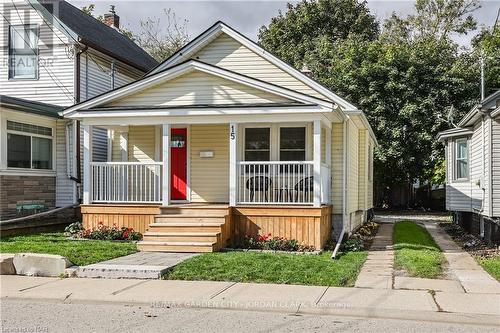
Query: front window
(462, 159)
(292, 144)
(23, 51)
(29, 146)
(257, 144)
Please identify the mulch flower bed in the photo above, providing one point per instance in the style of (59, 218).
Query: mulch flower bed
(468, 242)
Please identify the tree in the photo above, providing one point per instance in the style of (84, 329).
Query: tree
(162, 39)
(292, 34)
(406, 78)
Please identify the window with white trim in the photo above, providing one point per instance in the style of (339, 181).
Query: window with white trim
(292, 144)
(461, 159)
(29, 146)
(23, 51)
(257, 144)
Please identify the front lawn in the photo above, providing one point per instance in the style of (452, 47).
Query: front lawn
(318, 270)
(79, 252)
(491, 265)
(416, 251)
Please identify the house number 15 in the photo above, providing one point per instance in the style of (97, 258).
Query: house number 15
(233, 135)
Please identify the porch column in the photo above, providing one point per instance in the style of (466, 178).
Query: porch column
(165, 179)
(233, 139)
(87, 166)
(328, 161)
(317, 162)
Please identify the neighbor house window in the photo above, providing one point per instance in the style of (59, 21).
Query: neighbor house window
(292, 144)
(29, 146)
(257, 144)
(461, 159)
(23, 51)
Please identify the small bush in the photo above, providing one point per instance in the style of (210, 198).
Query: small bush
(352, 245)
(73, 229)
(266, 242)
(103, 232)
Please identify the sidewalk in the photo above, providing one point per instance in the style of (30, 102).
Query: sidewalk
(374, 303)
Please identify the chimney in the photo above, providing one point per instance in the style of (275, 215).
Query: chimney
(111, 19)
(305, 70)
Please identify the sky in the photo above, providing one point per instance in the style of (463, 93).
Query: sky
(248, 16)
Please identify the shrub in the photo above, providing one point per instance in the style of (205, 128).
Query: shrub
(103, 232)
(73, 229)
(266, 242)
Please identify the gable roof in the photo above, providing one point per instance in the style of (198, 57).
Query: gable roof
(188, 66)
(38, 108)
(487, 105)
(95, 34)
(220, 27)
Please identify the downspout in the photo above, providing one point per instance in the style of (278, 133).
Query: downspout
(77, 123)
(490, 169)
(344, 185)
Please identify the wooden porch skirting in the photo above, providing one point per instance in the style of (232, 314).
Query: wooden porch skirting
(137, 217)
(308, 225)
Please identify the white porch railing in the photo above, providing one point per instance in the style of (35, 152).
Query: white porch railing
(126, 182)
(276, 182)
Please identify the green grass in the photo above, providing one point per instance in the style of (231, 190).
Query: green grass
(318, 270)
(79, 252)
(491, 265)
(416, 251)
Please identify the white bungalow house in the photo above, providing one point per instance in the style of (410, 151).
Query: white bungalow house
(223, 140)
(53, 55)
(472, 151)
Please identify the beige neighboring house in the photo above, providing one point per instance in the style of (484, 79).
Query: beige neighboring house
(224, 140)
(53, 55)
(473, 169)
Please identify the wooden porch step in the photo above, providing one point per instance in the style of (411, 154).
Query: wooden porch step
(182, 236)
(193, 210)
(152, 246)
(185, 227)
(184, 218)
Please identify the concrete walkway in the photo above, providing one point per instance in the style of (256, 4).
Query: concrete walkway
(362, 302)
(462, 267)
(140, 265)
(377, 272)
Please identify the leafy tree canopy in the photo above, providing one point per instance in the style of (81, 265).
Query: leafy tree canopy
(408, 76)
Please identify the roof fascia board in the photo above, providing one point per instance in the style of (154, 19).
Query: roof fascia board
(201, 40)
(209, 69)
(63, 28)
(454, 132)
(208, 111)
(362, 116)
(465, 120)
(495, 112)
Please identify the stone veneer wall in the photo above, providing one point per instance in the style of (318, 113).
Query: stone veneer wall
(16, 190)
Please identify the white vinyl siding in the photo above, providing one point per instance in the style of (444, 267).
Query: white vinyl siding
(209, 177)
(495, 158)
(95, 74)
(227, 53)
(199, 88)
(142, 144)
(362, 170)
(54, 84)
(337, 168)
(352, 167)
(65, 187)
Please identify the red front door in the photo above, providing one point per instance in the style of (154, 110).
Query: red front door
(178, 151)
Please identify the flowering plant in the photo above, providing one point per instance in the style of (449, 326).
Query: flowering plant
(266, 242)
(104, 232)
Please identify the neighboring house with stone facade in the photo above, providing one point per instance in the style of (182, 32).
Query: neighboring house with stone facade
(472, 152)
(53, 56)
(224, 140)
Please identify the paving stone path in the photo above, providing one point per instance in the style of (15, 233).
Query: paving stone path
(462, 267)
(377, 272)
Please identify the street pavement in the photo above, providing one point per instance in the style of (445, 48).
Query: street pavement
(44, 316)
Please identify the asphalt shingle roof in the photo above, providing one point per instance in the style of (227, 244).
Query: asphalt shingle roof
(101, 37)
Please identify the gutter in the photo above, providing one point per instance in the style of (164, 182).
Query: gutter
(344, 180)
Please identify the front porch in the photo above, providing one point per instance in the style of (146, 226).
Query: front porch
(201, 187)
